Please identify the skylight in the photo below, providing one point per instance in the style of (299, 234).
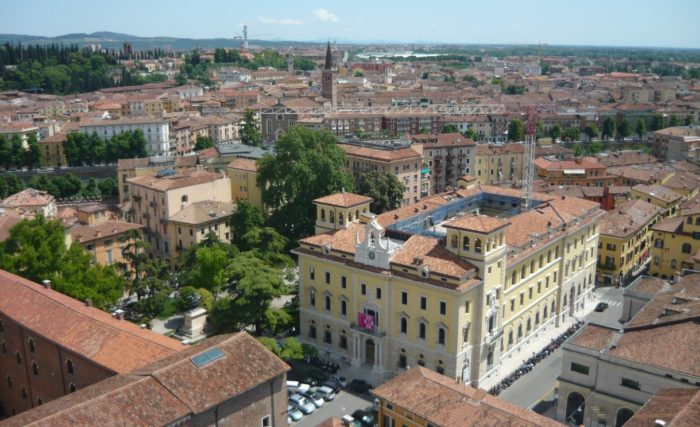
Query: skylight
(207, 357)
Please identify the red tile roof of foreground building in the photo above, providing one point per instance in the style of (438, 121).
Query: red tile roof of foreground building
(117, 345)
(478, 223)
(676, 407)
(343, 200)
(444, 403)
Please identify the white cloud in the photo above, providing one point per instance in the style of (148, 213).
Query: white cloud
(325, 16)
(279, 21)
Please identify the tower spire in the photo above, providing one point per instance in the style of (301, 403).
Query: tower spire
(329, 57)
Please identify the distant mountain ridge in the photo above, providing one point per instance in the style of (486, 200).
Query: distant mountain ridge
(112, 40)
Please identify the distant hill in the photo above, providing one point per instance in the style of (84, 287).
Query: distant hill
(111, 40)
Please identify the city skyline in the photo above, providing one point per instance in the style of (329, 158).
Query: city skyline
(599, 23)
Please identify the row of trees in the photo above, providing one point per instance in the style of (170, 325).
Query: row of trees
(60, 186)
(14, 153)
(81, 149)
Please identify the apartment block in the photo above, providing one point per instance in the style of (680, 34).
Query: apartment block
(156, 131)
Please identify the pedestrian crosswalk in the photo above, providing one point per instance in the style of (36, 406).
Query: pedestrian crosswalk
(611, 303)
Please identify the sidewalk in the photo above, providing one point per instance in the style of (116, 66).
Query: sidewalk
(536, 342)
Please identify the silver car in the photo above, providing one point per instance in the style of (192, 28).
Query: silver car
(294, 413)
(326, 392)
(301, 403)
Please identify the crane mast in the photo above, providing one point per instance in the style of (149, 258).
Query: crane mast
(529, 158)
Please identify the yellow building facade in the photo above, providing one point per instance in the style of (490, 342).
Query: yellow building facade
(660, 196)
(191, 225)
(625, 240)
(494, 164)
(676, 241)
(439, 285)
(243, 174)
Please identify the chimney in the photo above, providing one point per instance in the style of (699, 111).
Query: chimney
(46, 283)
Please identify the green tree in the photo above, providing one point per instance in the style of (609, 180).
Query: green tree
(641, 128)
(267, 244)
(67, 185)
(188, 298)
(657, 122)
(674, 120)
(591, 131)
(687, 121)
(108, 188)
(250, 129)
(572, 133)
(424, 131)
(246, 218)
(555, 132)
(608, 130)
(449, 128)
(516, 130)
(5, 153)
(96, 149)
(578, 150)
(306, 165)
(596, 148)
(203, 142)
(358, 73)
(90, 190)
(209, 271)
(383, 187)
(12, 184)
(17, 151)
(75, 147)
(32, 156)
(471, 134)
(623, 128)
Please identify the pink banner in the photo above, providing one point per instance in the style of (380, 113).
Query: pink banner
(365, 321)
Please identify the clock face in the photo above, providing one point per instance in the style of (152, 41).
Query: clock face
(371, 255)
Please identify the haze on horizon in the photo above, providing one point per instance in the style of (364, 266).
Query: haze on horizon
(642, 23)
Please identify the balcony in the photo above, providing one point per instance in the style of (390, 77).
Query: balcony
(376, 332)
(493, 336)
(608, 266)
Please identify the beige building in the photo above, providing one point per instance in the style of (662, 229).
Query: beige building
(104, 241)
(496, 164)
(393, 156)
(446, 158)
(677, 143)
(30, 202)
(608, 374)
(156, 199)
(659, 195)
(130, 168)
(192, 224)
(52, 154)
(243, 174)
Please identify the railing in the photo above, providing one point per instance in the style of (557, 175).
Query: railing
(375, 332)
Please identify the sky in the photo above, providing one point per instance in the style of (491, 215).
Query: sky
(650, 23)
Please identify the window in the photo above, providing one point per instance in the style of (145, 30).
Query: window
(328, 278)
(465, 243)
(379, 293)
(343, 282)
(32, 346)
(466, 307)
(522, 298)
(443, 308)
(343, 307)
(404, 297)
(512, 304)
(9, 381)
(327, 338)
(18, 357)
(35, 368)
(2, 326)
(686, 248)
(441, 336)
(24, 393)
(421, 330)
(404, 325)
(343, 343)
(423, 303)
(626, 382)
(312, 273)
(364, 289)
(328, 303)
(312, 331)
(402, 364)
(265, 422)
(529, 293)
(513, 278)
(70, 367)
(477, 246)
(3, 345)
(581, 369)
(312, 298)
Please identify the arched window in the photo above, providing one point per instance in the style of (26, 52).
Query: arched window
(541, 260)
(529, 324)
(477, 246)
(465, 243)
(537, 318)
(404, 325)
(513, 278)
(544, 313)
(328, 303)
(70, 367)
(32, 346)
(343, 307)
(623, 415)
(421, 330)
(35, 368)
(312, 331)
(686, 248)
(341, 221)
(441, 336)
(331, 217)
(532, 266)
(454, 240)
(554, 310)
(549, 256)
(323, 215)
(697, 220)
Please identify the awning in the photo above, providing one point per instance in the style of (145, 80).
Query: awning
(574, 171)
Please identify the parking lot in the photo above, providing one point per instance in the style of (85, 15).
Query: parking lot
(344, 403)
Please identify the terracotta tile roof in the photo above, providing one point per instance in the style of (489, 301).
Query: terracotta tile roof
(594, 337)
(132, 163)
(444, 403)
(27, 197)
(585, 163)
(677, 407)
(691, 206)
(243, 164)
(625, 158)
(479, 223)
(166, 391)
(118, 345)
(379, 154)
(88, 233)
(488, 149)
(628, 218)
(343, 200)
(649, 285)
(430, 254)
(677, 303)
(204, 211)
(657, 191)
(670, 225)
(181, 180)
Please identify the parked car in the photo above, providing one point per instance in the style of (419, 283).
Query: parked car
(601, 306)
(326, 392)
(293, 412)
(335, 386)
(349, 421)
(340, 380)
(296, 386)
(370, 417)
(359, 386)
(358, 415)
(301, 403)
(315, 398)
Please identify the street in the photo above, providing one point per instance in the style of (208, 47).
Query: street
(538, 384)
(344, 403)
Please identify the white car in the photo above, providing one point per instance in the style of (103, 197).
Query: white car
(314, 397)
(293, 413)
(301, 403)
(326, 392)
(296, 386)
